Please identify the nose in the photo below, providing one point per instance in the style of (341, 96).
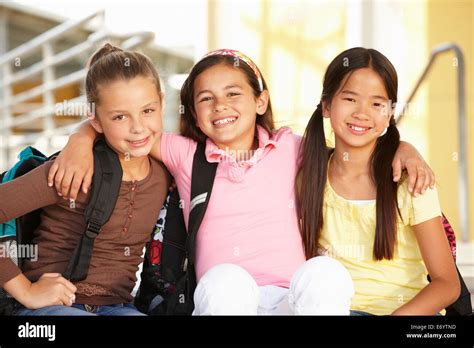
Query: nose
(361, 112)
(137, 126)
(220, 105)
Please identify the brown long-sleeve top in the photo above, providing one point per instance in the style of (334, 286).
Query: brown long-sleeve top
(117, 249)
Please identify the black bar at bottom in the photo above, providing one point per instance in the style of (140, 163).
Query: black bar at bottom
(431, 331)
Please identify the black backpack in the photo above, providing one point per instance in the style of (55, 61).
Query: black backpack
(104, 192)
(462, 306)
(168, 278)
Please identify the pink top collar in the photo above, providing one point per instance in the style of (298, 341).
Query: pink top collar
(265, 140)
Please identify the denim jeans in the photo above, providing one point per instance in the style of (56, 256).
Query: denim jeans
(80, 310)
(360, 313)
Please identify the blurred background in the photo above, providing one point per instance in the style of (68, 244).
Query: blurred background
(44, 46)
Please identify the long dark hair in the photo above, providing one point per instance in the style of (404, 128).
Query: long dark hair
(312, 174)
(188, 126)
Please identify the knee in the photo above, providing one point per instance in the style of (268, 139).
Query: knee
(324, 274)
(226, 289)
(322, 285)
(227, 275)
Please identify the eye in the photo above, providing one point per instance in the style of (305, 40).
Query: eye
(205, 99)
(119, 118)
(349, 99)
(233, 94)
(381, 105)
(148, 111)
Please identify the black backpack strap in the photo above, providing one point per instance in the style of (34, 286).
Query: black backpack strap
(462, 306)
(167, 287)
(104, 192)
(202, 180)
(174, 240)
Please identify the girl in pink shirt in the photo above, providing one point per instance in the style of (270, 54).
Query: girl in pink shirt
(250, 257)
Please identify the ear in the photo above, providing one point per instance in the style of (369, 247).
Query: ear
(326, 109)
(95, 123)
(262, 102)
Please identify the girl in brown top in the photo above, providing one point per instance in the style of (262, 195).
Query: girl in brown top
(125, 90)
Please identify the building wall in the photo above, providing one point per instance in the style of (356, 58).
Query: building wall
(453, 23)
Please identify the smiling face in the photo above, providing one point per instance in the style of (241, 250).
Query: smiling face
(226, 108)
(129, 115)
(360, 110)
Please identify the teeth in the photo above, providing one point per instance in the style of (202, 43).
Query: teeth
(359, 129)
(224, 121)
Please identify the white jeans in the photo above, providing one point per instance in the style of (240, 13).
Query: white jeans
(321, 286)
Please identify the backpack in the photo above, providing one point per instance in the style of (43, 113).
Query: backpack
(462, 306)
(168, 278)
(104, 192)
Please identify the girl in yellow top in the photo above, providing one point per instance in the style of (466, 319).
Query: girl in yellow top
(388, 239)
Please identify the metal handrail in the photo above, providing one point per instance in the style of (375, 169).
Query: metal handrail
(57, 59)
(463, 178)
(53, 34)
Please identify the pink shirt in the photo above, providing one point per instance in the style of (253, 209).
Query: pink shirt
(251, 219)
